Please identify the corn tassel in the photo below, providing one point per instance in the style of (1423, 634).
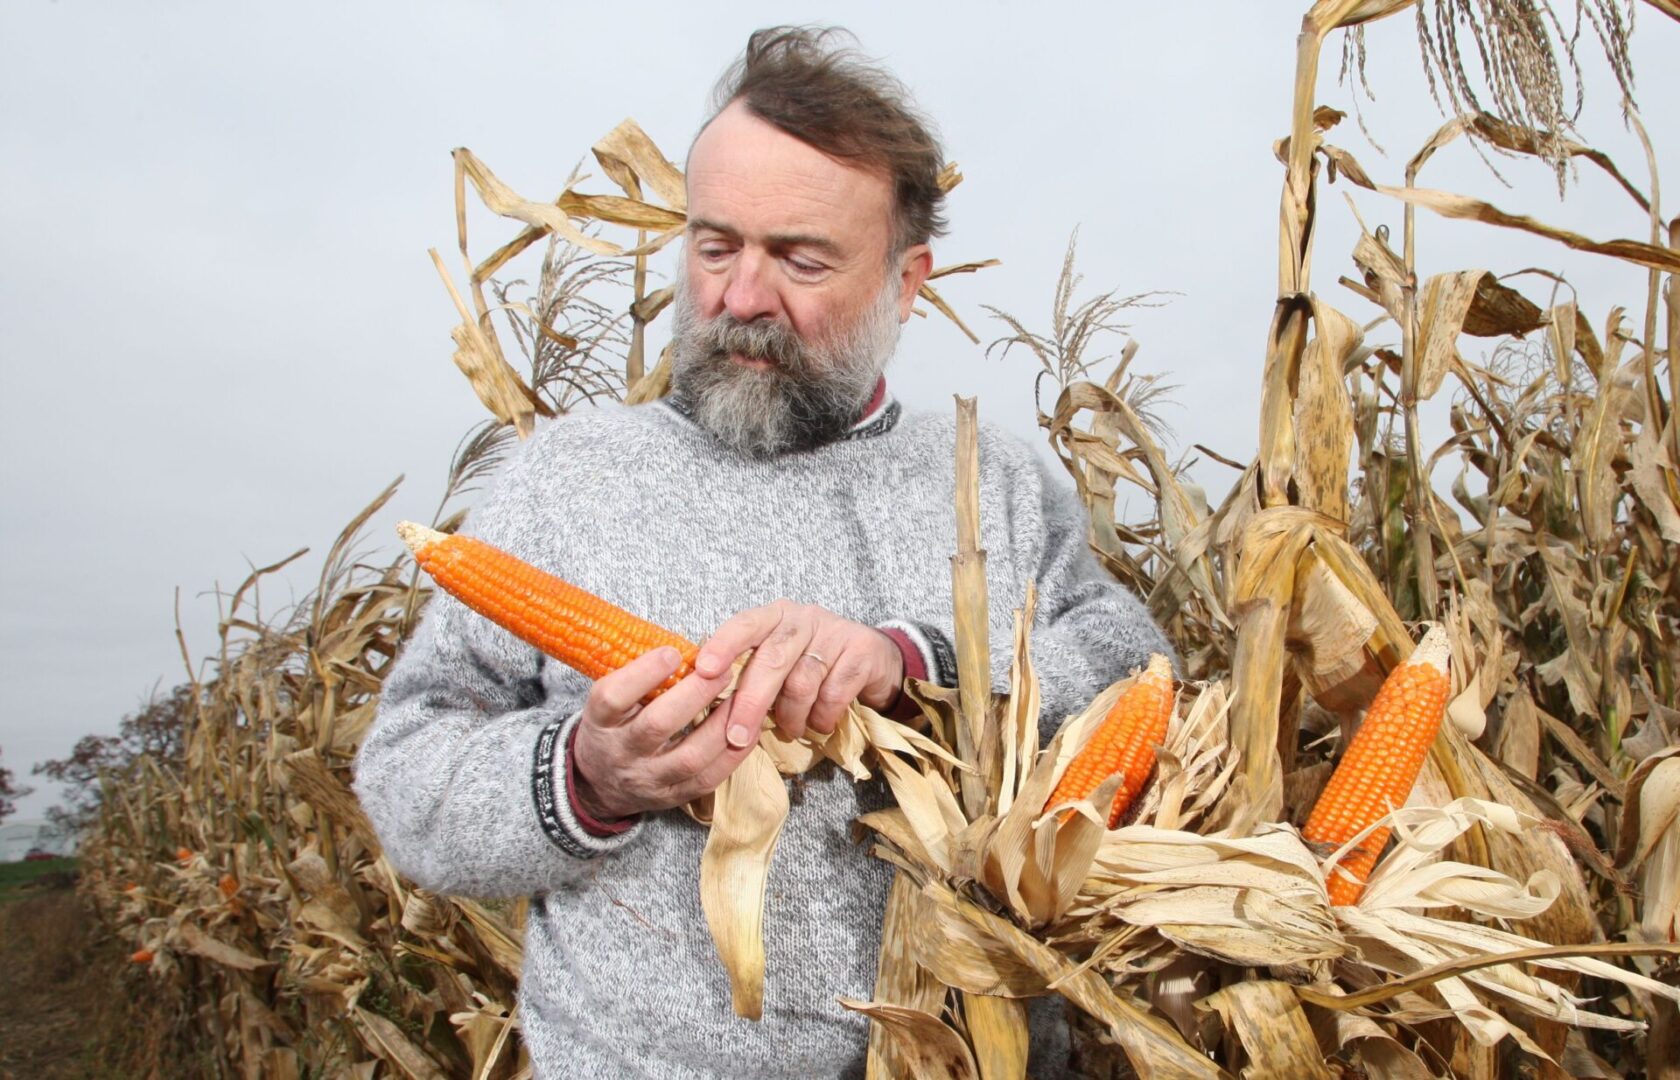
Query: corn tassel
(1124, 743)
(1382, 763)
(575, 627)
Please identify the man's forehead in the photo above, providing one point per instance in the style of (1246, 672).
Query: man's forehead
(742, 167)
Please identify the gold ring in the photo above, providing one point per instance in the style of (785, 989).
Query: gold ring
(817, 658)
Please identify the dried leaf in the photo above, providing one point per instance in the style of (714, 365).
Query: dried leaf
(927, 1044)
(1445, 304)
(962, 952)
(1370, 1044)
(198, 942)
(1596, 447)
(747, 816)
(997, 1026)
(899, 980)
(1267, 1018)
(500, 941)
(1650, 842)
(1247, 900)
(1324, 414)
(1019, 734)
(1328, 632)
(545, 217)
(1655, 477)
(631, 159)
(1497, 310)
(308, 777)
(1519, 734)
(1155, 1050)
(498, 386)
(387, 1040)
(1450, 205)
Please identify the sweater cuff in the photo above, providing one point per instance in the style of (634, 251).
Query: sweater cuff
(928, 657)
(562, 821)
(925, 647)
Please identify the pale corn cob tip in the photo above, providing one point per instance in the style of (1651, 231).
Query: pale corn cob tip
(1434, 650)
(1159, 666)
(417, 536)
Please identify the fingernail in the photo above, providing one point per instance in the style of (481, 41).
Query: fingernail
(738, 735)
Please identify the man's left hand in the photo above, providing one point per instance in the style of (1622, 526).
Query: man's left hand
(807, 667)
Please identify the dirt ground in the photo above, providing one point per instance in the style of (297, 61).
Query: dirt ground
(69, 1005)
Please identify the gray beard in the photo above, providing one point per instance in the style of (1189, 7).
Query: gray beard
(810, 396)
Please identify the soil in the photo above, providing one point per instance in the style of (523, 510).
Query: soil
(69, 1005)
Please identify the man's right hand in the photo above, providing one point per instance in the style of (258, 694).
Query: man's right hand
(625, 760)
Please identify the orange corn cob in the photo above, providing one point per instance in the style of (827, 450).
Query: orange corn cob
(575, 627)
(1125, 742)
(1382, 763)
(140, 956)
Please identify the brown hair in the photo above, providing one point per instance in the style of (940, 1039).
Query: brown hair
(835, 101)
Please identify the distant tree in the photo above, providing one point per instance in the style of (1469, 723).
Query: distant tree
(8, 792)
(155, 731)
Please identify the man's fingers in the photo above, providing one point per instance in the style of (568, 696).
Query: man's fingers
(674, 710)
(799, 690)
(846, 679)
(742, 632)
(705, 758)
(614, 697)
(762, 679)
(720, 767)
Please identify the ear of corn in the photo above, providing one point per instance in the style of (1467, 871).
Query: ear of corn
(575, 627)
(1124, 743)
(1382, 763)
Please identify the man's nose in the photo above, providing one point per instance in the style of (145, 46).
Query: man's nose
(750, 293)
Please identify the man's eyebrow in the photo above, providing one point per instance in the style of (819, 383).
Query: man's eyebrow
(822, 244)
(779, 241)
(702, 225)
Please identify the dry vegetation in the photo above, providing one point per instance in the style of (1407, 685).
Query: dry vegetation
(1196, 940)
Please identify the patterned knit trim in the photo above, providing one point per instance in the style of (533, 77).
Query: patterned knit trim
(884, 420)
(937, 653)
(554, 809)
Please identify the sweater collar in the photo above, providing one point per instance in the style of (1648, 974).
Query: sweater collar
(880, 415)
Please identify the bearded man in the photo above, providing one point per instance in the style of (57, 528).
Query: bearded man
(778, 501)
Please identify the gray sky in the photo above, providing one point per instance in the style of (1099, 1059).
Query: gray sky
(220, 334)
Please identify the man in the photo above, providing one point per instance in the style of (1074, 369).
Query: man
(779, 468)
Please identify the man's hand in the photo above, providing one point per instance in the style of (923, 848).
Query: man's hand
(623, 752)
(807, 668)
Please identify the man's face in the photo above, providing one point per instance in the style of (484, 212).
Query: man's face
(787, 308)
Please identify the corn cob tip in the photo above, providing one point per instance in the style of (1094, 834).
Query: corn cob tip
(417, 536)
(1159, 666)
(1434, 650)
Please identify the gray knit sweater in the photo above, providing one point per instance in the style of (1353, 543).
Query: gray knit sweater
(463, 769)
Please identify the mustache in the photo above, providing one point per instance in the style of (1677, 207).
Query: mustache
(757, 340)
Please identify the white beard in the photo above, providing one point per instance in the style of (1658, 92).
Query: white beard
(810, 395)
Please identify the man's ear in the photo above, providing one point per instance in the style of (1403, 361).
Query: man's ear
(914, 265)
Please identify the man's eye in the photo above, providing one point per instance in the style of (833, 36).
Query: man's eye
(805, 268)
(713, 254)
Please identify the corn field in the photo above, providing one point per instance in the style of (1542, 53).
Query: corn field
(1524, 920)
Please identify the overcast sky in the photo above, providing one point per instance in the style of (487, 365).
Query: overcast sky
(220, 334)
